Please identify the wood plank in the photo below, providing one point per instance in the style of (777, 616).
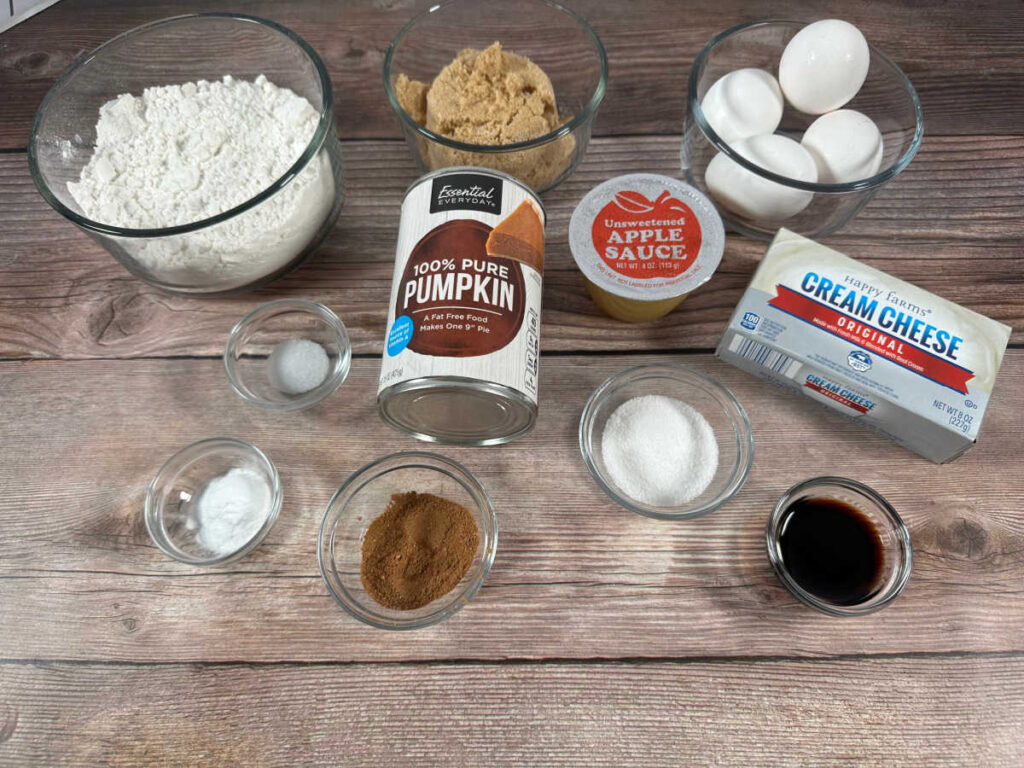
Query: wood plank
(575, 576)
(950, 223)
(963, 57)
(600, 637)
(892, 712)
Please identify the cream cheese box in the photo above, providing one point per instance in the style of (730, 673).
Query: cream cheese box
(909, 364)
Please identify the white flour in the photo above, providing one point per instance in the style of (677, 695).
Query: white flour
(182, 153)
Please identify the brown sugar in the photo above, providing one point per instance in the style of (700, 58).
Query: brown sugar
(412, 95)
(491, 97)
(417, 550)
(519, 236)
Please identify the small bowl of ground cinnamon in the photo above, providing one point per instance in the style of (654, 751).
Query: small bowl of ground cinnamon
(407, 540)
(511, 85)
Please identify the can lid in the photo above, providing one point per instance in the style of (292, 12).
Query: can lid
(457, 410)
(646, 237)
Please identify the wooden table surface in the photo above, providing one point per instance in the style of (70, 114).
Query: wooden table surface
(601, 638)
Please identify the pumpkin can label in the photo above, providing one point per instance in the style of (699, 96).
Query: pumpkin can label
(462, 302)
(465, 299)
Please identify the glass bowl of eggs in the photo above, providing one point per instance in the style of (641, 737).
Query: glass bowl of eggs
(796, 125)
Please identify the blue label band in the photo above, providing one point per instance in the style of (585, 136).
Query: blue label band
(400, 335)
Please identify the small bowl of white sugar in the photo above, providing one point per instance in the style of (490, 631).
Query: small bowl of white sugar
(288, 355)
(213, 501)
(666, 441)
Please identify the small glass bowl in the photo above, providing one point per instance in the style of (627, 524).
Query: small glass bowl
(887, 97)
(182, 49)
(553, 37)
(717, 404)
(364, 497)
(894, 535)
(174, 491)
(254, 337)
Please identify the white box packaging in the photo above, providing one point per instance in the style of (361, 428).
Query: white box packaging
(909, 364)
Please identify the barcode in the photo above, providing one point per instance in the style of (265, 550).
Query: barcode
(764, 356)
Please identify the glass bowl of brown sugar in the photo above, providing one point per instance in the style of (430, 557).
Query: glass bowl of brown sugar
(510, 85)
(407, 540)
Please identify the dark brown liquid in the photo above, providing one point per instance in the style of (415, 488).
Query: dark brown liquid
(832, 550)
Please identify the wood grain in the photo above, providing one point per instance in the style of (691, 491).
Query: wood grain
(575, 576)
(600, 638)
(950, 223)
(963, 57)
(891, 712)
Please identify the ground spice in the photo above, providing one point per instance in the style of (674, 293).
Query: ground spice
(418, 550)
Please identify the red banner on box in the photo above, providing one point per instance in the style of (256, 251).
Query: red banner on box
(872, 339)
(836, 396)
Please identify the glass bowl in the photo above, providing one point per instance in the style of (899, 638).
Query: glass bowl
(364, 497)
(255, 336)
(717, 404)
(554, 38)
(887, 97)
(220, 254)
(174, 492)
(897, 555)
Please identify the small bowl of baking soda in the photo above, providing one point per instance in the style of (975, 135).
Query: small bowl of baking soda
(666, 441)
(213, 501)
(287, 355)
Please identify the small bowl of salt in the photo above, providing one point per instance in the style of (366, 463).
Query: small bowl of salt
(666, 441)
(288, 355)
(213, 501)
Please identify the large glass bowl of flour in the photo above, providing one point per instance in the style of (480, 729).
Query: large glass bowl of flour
(200, 151)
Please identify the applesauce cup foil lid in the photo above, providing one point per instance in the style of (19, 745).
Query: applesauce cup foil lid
(646, 237)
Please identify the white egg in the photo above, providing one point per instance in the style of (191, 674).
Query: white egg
(846, 146)
(824, 66)
(745, 102)
(744, 192)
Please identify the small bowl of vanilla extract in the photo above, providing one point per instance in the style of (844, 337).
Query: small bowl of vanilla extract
(839, 546)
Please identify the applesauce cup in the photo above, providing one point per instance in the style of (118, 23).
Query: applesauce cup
(644, 242)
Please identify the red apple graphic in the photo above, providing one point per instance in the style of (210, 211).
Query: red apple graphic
(644, 239)
(633, 202)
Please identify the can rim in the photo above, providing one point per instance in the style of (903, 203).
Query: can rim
(511, 394)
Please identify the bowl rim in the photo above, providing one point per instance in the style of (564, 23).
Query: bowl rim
(454, 601)
(903, 569)
(323, 127)
(870, 182)
(307, 399)
(580, 118)
(745, 440)
(151, 510)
